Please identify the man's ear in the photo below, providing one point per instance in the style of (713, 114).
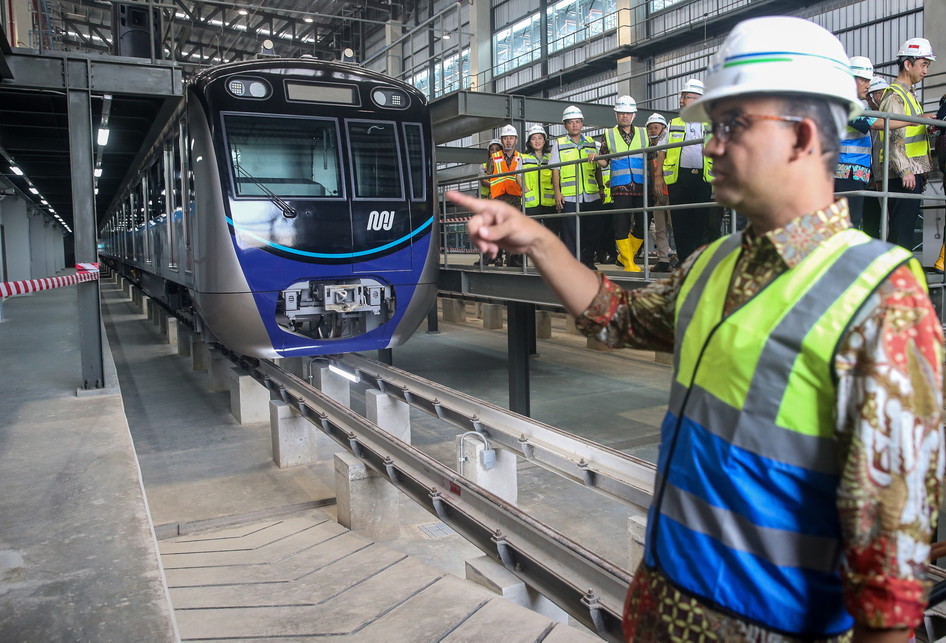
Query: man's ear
(806, 139)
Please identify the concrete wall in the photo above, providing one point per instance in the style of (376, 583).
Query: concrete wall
(16, 238)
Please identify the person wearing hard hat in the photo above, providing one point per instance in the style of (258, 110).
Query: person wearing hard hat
(507, 188)
(626, 180)
(687, 173)
(801, 455)
(538, 197)
(494, 146)
(657, 135)
(909, 147)
(577, 186)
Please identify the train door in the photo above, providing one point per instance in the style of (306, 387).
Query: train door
(380, 207)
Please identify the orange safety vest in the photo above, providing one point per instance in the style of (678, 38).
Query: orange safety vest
(500, 185)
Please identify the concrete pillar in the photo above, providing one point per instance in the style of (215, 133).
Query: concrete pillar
(934, 29)
(170, 330)
(492, 316)
(293, 436)
(485, 571)
(295, 365)
(500, 479)
(219, 372)
(332, 384)
(200, 354)
(454, 310)
(391, 414)
(543, 324)
(570, 326)
(146, 307)
(637, 530)
(184, 339)
(161, 321)
(249, 400)
(365, 501)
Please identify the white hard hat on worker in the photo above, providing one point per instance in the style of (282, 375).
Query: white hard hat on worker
(778, 55)
(917, 48)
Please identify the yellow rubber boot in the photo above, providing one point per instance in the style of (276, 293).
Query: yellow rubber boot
(626, 250)
(940, 264)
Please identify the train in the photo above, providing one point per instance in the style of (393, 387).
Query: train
(291, 203)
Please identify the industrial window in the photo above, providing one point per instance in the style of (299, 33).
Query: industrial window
(518, 44)
(569, 22)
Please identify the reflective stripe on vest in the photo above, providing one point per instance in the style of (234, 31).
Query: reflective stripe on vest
(626, 169)
(677, 134)
(484, 189)
(855, 148)
(570, 151)
(539, 189)
(745, 514)
(499, 185)
(914, 135)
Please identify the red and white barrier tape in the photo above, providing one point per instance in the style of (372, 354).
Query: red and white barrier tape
(11, 288)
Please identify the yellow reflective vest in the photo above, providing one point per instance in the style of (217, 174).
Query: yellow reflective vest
(538, 183)
(584, 176)
(677, 134)
(914, 135)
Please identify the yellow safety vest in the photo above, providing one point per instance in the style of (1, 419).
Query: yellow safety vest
(914, 135)
(484, 189)
(677, 134)
(538, 183)
(569, 178)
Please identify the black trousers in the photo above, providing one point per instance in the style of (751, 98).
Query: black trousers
(690, 225)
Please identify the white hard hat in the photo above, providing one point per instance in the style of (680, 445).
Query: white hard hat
(656, 118)
(862, 67)
(572, 112)
(508, 130)
(626, 104)
(777, 55)
(877, 83)
(536, 129)
(693, 86)
(494, 141)
(916, 48)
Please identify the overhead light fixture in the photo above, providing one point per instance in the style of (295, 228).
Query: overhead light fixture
(97, 172)
(16, 170)
(243, 12)
(308, 19)
(33, 190)
(102, 138)
(446, 36)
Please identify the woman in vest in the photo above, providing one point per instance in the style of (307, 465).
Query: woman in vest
(538, 197)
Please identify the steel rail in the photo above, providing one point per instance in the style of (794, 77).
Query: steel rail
(613, 473)
(588, 587)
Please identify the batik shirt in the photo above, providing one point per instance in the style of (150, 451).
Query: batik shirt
(888, 406)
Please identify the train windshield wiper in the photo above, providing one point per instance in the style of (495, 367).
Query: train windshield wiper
(287, 210)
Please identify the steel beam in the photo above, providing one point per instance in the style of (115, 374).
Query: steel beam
(95, 73)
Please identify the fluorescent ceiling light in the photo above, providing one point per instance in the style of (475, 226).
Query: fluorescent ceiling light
(97, 172)
(34, 190)
(102, 138)
(16, 170)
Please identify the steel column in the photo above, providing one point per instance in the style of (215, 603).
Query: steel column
(83, 208)
(519, 316)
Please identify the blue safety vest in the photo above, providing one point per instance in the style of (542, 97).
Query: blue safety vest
(744, 514)
(626, 169)
(855, 148)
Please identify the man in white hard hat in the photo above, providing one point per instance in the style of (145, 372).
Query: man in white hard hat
(577, 185)
(801, 454)
(494, 146)
(507, 188)
(909, 147)
(657, 135)
(687, 173)
(626, 180)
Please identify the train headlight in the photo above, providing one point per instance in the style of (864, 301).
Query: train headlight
(248, 88)
(390, 98)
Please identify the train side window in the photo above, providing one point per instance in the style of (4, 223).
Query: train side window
(416, 160)
(288, 157)
(375, 161)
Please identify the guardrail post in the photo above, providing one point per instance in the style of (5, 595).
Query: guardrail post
(249, 400)
(486, 572)
(495, 472)
(365, 501)
(389, 413)
(332, 384)
(293, 436)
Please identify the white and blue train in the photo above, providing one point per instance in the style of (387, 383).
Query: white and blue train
(293, 201)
